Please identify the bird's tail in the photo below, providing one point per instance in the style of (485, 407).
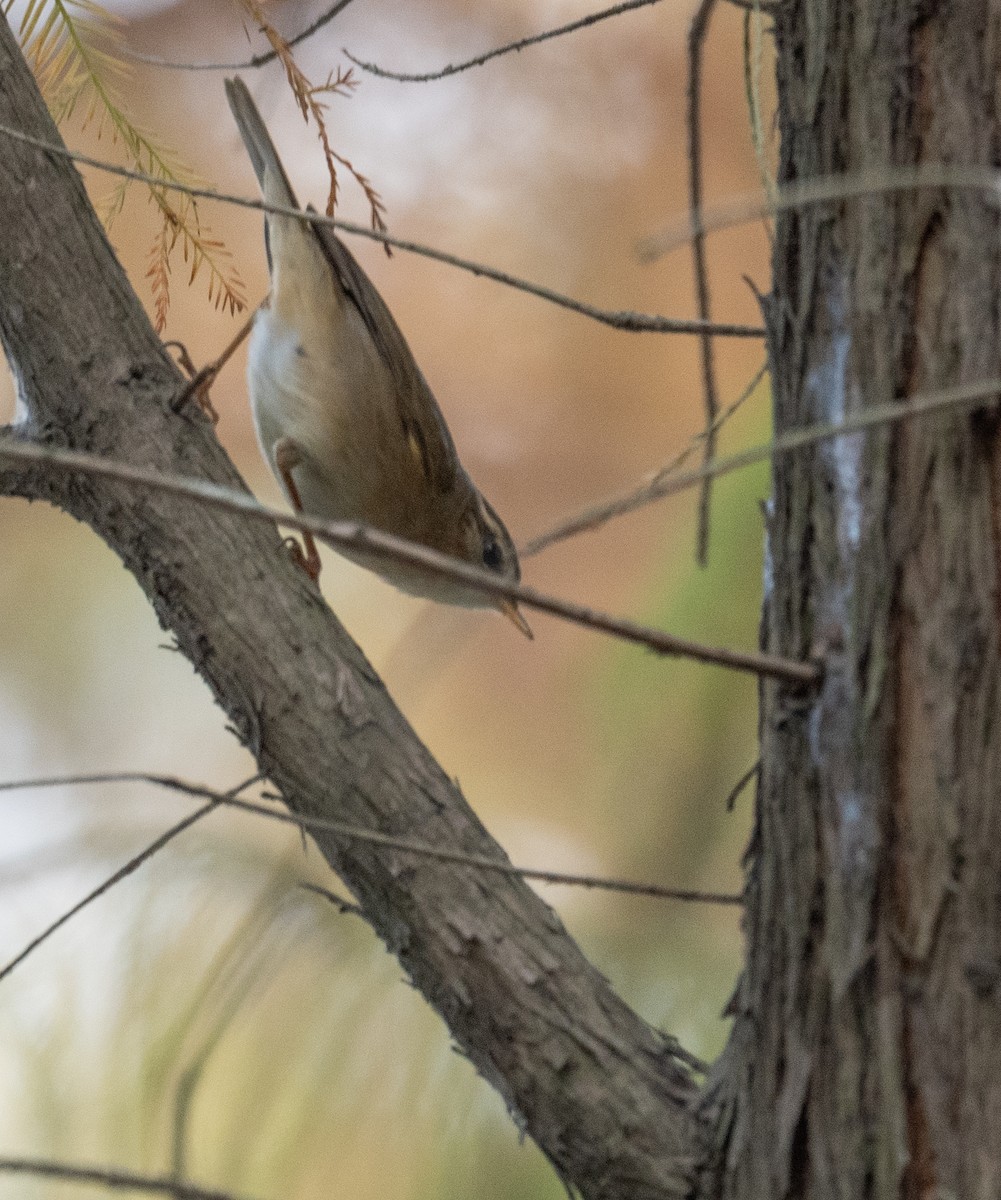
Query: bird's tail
(270, 173)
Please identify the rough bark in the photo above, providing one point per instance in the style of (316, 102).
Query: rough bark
(603, 1094)
(864, 1059)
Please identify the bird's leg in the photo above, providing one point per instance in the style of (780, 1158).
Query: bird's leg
(197, 385)
(199, 382)
(288, 456)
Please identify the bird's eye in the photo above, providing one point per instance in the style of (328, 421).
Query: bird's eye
(492, 557)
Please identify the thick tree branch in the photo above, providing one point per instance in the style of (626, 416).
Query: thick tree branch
(605, 1096)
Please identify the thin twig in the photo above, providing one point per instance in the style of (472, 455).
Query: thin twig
(921, 404)
(355, 536)
(123, 872)
(170, 782)
(764, 6)
(630, 322)
(752, 206)
(425, 850)
(111, 1178)
(344, 907)
(795, 439)
(696, 44)
(742, 782)
(259, 60)
(742, 209)
(373, 837)
(521, 44)
(594, 516)
(132, 865)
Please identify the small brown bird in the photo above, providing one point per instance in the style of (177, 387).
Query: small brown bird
(344, 416)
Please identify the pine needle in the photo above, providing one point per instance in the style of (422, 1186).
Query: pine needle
(307, 96)
(72, 48)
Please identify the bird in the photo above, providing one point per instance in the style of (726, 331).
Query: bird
(343, 414)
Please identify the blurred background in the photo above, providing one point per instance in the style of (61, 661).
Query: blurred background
(208, 1014)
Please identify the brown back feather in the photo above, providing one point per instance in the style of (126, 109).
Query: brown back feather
(420, 416)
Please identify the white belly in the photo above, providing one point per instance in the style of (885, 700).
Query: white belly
(324, 388)
(280, 385)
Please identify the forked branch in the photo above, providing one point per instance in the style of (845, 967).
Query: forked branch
(604, 1095)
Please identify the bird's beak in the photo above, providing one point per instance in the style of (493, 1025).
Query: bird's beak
(510, 610)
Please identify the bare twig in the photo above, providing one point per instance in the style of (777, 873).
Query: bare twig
(202, 379)
(521, 44)
(171, 782)
(752, 206)
(696, 44)
(923, 403)
(111, 1178)
(376, 838)
(594, 516)
(132, 865)
(259, 60)
(740, 210)
(337, 533)
(351, 535)
(762, 6)
(563, 878)
(630, 322)
(742, 782)
(344, 907)
(123, 872)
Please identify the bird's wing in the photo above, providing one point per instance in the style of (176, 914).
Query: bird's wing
(420, 416)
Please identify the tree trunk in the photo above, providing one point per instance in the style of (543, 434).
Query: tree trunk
(865, 1056)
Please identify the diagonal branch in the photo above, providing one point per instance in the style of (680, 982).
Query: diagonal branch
(105, 885)
(594, 516)
(123, 872)
(606, 1097)
(981, 393)
(825, 189)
